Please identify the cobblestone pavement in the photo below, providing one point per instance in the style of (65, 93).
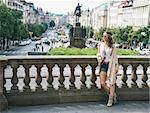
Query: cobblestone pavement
(89, 107)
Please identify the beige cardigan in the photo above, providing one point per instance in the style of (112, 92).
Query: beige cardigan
(113, 67)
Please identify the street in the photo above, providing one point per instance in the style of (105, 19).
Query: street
(24, 49)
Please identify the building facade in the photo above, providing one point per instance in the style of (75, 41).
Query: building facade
(113, 14)
(100, 16)
(141, 13)
(15, 4)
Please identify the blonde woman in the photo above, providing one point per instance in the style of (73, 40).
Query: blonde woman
(108, 62)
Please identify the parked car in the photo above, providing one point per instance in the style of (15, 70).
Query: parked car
(28, 41)
(25, 42)
(144, 52)
(22, 43)
(46, 41)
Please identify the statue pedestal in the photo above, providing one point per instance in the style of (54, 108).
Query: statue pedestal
(77, 42)
(78, 24)
(78, 39)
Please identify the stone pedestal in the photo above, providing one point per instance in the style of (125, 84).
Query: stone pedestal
(77, 42)
(78, 38)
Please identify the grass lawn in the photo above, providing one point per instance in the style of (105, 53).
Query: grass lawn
(86, 51)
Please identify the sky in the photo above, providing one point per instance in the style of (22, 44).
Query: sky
(65, 6)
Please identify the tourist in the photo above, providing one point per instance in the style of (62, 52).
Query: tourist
(108, 63)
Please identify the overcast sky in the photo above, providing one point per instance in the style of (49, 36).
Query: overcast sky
(64, 6)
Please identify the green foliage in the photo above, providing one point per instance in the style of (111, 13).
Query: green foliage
(86, 51)
(72, 51)
(89, 32)
(126, 52)
(126, 34)
(52, 23)
(68, 25)
(99, 34)
(11, 26)
(38, 29)
(23, 31)
(7, 21)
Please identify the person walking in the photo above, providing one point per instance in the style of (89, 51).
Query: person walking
(108, 62)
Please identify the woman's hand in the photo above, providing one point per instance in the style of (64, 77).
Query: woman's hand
(100, 59)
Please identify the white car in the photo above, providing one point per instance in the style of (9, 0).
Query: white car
(144, 52)
(22, 43)
(28, 41)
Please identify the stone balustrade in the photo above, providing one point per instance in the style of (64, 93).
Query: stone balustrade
(34, 80)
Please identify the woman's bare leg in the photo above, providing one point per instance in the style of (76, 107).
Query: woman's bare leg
(103, 76)
(112, 90)
(113, 93)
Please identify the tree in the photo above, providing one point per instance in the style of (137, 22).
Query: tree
(23, 31)
(68, 25)
(38, 29)
(89, 32)
(17, 23)
(99, 34)
(6, 26)
(52, 23)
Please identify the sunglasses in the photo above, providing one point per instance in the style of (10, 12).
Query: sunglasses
(104, 36)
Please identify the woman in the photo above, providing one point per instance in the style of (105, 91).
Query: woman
(108, 66)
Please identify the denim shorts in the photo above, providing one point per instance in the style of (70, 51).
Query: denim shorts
(104, 67)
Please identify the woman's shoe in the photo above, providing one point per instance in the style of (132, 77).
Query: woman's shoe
(115, 98)
(110, 101)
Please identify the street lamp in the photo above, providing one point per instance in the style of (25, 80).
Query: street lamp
(88, 17)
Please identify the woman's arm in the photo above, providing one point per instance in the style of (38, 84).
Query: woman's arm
(100, 58)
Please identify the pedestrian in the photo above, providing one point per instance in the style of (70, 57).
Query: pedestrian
(108, 63)
(42, 48)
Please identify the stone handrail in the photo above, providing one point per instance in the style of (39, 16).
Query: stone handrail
(62, 94)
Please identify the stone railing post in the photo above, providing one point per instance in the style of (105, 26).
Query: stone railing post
(144, 76)
(83, 77)
(39, 78)
(50, 78)
(134, 76)
(3, 100)
(124, 76)
(72, 77)
(93, 77)
(61, 77)
(14, 79)
(27, 78)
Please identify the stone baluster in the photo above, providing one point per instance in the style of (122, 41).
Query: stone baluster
(39, 78)
(124, 76)
(4, 79)
(27, 78)
(93, 77)
(61, 78)
(134, 75)
(144, 76)
(50, 78)
(83, 77)
(14, 79)
(3, 100)
(72, 77)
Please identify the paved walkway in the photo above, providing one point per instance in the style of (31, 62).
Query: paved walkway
(89, 107)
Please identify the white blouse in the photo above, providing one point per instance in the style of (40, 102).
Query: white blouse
(105, 52)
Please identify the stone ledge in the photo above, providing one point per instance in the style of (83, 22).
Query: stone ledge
(73, 95)
(3, 103)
